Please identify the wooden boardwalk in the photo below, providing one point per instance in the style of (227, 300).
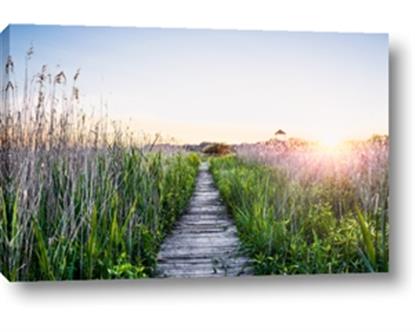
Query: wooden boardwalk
(204, 242)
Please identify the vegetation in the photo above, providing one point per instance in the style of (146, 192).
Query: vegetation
(309, 211)
(80, 199)
(83, 198)
(217, 149)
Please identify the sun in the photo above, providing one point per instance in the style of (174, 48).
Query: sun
(330, 140)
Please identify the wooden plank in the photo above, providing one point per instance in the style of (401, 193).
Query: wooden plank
(204, 242)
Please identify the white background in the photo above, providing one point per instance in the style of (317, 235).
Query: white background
(317, 303)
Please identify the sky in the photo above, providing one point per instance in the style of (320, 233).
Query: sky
(221, 85)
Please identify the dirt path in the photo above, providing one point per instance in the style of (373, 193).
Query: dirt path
(204, 242)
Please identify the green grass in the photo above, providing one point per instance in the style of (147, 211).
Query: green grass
(81, 197)
(293, 226)
(105, 219)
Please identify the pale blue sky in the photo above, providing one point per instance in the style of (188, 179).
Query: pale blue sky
(224, 85)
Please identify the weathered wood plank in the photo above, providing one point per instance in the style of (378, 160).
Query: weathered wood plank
(204, 242)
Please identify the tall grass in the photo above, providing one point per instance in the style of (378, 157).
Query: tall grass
(80, 198)
(310, 211)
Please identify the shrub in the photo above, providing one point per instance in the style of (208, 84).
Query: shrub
(218, 149)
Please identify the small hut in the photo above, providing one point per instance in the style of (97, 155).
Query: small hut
(280, 135)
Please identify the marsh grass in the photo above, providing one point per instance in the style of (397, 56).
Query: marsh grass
(80, 197)
(308, 211)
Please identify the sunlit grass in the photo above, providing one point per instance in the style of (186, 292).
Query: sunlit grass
(307, 210)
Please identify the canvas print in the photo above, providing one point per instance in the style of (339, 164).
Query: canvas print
(130, 153)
